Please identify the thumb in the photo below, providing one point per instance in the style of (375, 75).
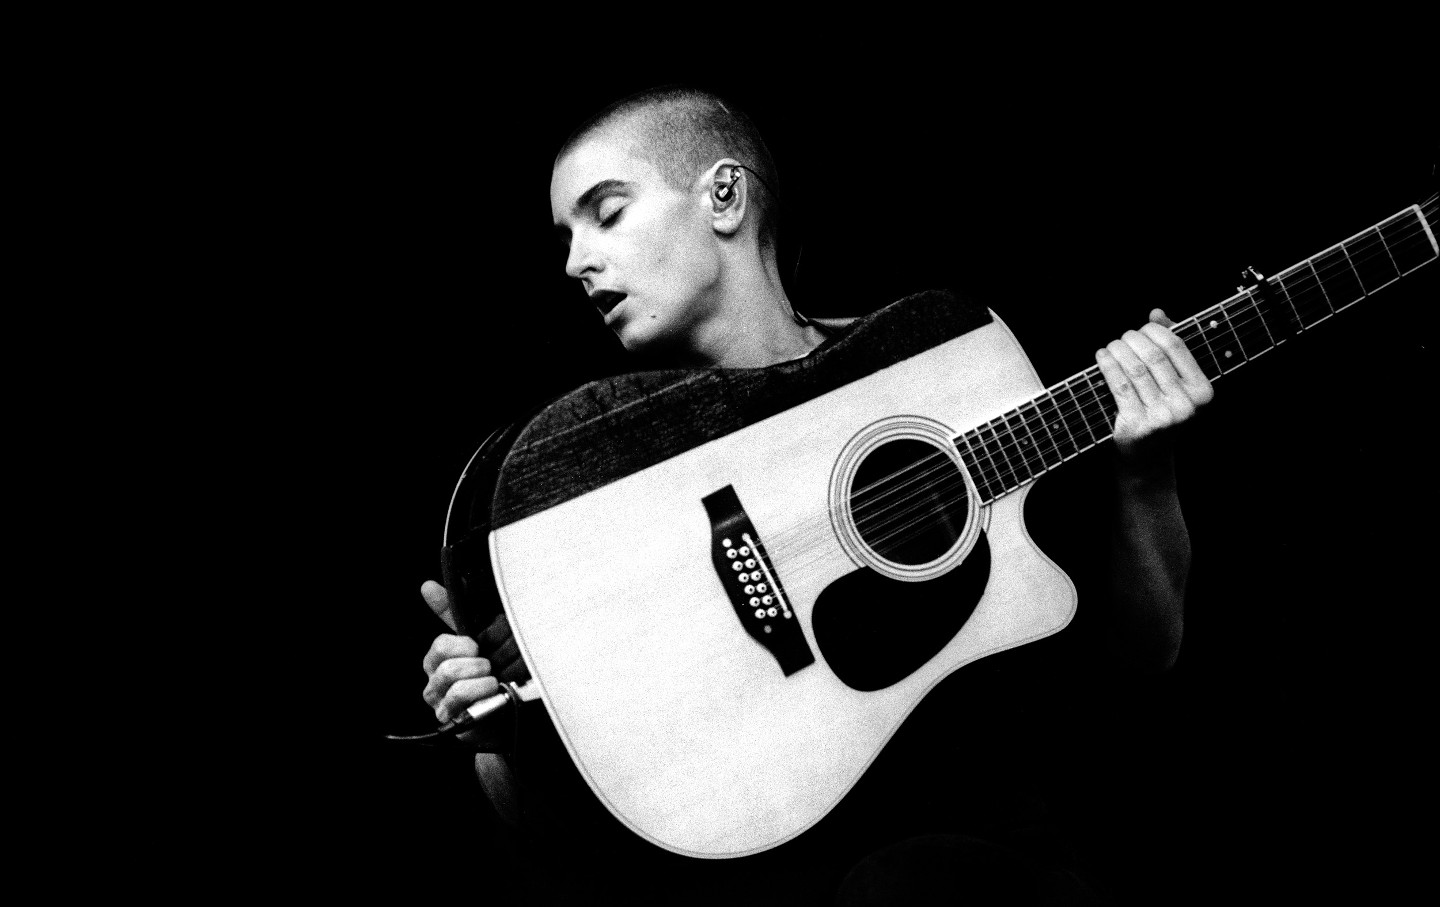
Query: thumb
(1159, 317)
(439, 601)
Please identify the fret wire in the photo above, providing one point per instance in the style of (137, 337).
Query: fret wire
(1240, 324)
(975, 471)
(1260, 308)
(1004, 454)
(1013, 450)
(1100, 405)
(1344, 268)
(1104, 407)
(1078, 408)
(982, 474)
(1276, 308)
(1044, 440)
(1298, 296)
(1346, 253)
(1239, 320)
(1007, 451)
(992, 474)
(1095, 404)
(1219, 319)
(1374, 265)
(1290, 300)
(1318, 302)
(1204, 346)
(1411, 240)
(1024, 455)
(1414, 231)
(1386, 246)
(1408, 220)
(1260, 316)
(990, 455)
(1204, 333)
(1230, 326)
(1075, 403)
(1064, 423)
(1406, 237)
(1344, 273)
(1049, 436)
(1338, 269)
(1330, 303)
(1097, 407)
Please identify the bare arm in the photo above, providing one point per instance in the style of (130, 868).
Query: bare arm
(1158, 386)
(460, 671)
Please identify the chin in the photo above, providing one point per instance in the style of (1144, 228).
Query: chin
(650, 341)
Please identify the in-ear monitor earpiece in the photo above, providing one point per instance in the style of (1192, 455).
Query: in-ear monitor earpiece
(724, 191)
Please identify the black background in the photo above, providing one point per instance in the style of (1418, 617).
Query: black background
(388, 289)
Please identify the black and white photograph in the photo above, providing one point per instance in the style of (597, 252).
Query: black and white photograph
(989, 478)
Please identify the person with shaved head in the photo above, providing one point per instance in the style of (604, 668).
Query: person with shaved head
(669, 204)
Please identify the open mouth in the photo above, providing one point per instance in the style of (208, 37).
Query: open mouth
(605, 300)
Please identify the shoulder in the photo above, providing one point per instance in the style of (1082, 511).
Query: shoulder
(925, 313)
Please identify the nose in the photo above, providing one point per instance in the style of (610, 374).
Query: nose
(582, 259)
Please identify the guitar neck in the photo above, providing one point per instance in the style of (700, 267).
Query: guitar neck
(1078, 414)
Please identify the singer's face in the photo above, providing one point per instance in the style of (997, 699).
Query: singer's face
(645, 252)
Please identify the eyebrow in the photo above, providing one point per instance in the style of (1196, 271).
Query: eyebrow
(589, 197)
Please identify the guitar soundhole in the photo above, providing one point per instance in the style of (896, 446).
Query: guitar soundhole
(908, 502)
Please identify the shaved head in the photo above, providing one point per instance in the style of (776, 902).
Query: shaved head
(683, 131)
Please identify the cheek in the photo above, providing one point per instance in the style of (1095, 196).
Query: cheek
(660, 258)
(682, 255)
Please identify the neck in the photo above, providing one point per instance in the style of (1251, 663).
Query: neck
(753, 324)
(1078, 414)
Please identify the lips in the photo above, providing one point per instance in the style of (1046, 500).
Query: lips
(605, 300)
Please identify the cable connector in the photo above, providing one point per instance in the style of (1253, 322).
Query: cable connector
(508, 694)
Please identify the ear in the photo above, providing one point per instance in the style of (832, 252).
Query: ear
(727, 195)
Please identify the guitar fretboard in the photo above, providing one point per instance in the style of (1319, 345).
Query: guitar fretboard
(1078, 413)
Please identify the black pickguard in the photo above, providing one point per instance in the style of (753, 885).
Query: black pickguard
(874, 631)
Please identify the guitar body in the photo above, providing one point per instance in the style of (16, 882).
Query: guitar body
(634, 518)
(731, 586)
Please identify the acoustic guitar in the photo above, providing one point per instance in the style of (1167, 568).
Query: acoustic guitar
(731, 586)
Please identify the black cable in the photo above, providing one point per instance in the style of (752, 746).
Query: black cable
(449, 732)
(800, 246)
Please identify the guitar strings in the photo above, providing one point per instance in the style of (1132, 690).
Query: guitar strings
(938, 509)
(1024, 450)
(1249, 323)
(909, 529)
(1240, 324)
(936, 515)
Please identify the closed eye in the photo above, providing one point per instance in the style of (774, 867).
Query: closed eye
(607, 214)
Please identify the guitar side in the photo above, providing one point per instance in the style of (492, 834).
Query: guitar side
(683, 725)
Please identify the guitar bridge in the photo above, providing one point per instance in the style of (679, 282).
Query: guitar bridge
(752, 584)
